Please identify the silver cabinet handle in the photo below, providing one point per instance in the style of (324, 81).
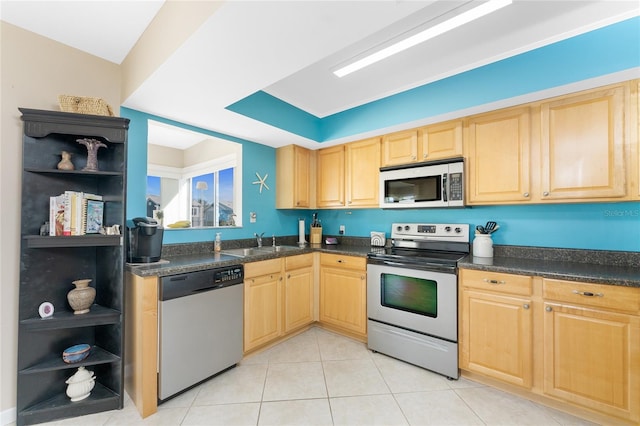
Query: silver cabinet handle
(526, 194)
(487, 280)
(548, 309)
(526, 306)
(545, 193)
(587, 293)
(413, 157)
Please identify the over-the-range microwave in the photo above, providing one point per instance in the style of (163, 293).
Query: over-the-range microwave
(422, 185)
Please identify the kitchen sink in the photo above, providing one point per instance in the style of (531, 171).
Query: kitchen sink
(253, 251)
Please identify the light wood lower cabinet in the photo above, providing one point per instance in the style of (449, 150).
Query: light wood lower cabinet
(343, 299)
(591, 353)
(496, 326)
(262, 302)
(573, 342)
(298, 291)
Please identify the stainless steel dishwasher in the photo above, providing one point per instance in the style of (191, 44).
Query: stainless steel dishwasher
(200, 324)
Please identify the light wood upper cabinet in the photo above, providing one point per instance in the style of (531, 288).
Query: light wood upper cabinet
(438, 141)
(298, 291)
(499, 157)
(400, 148)
(294, 177)
(348, 174)
(343, 299)
(363, 173)
(331, 182)
(496, 329)
(583, 146)
(262, 302)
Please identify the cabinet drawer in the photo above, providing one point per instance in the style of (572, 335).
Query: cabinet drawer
(597, 295)
(342, 261)
(255, 269)
(299, 261)
(495, 281)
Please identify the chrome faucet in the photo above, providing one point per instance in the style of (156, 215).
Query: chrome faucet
(259, 238)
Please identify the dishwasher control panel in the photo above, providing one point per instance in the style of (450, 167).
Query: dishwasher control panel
(182, 285)
(231, 275)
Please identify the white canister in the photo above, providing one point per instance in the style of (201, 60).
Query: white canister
(483, 245)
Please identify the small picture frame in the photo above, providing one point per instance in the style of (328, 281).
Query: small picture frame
(95, 215)
(46, 310)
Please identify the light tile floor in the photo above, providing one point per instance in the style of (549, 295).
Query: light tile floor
(321, 378)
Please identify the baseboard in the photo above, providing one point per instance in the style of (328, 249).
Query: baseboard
(8, 416)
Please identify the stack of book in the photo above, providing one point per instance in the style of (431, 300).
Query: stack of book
(75, 213)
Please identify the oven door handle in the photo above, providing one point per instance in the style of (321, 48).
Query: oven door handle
(387, 262)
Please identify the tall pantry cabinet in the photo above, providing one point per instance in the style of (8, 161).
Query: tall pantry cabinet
(49, 264)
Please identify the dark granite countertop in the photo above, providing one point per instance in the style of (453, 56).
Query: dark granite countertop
(183, 263)
(592, 266)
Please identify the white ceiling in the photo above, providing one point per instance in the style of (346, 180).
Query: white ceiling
(289, 48)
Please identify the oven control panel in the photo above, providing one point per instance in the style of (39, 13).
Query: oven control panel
(429, 231)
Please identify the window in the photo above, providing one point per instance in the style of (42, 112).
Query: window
(212, 199)
(207, 199)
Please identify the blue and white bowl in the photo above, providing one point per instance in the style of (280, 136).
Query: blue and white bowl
(76, 353)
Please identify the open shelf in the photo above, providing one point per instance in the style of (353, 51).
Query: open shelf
(60, 406)
(98, 315)
(97, 356)
(92, 240)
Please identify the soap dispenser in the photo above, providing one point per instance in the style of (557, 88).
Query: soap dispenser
(217, 245)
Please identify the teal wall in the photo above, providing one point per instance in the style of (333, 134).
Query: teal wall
(605, 226)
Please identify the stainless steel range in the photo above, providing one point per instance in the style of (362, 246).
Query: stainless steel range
(412, 295)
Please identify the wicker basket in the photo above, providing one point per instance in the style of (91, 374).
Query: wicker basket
(84, 105)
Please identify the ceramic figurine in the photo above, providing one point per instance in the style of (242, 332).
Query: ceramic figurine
(65, 163)
(92, 153)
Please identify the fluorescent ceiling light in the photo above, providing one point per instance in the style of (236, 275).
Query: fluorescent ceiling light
(441, 28)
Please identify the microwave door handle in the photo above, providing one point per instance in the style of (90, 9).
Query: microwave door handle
(445, 187)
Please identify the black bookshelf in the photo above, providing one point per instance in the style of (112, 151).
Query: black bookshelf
(49, 264)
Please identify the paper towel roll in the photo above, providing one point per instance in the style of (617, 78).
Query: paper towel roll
(301, 239)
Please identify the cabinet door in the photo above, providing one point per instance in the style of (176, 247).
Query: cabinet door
(343, 299)
(583, 146)
(330, 192)
(499, 157)
(592, 358)
(400, 148)
(298, 298)
(442, 140)
(363, 173)
(301, 169)
(496, 336)
(293, 164)
(262, 308)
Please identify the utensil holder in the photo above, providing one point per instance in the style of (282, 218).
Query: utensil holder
(483, 245)
(316, 235)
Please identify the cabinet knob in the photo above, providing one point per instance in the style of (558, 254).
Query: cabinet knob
(487, 280)
(425, 155)
(548, 309)
(413, 157)
(288, 276)
(362, 277)
(526, 195)
(545, 193)
(526, 306)
(340, 261)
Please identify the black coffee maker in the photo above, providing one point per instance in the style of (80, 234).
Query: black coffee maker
(144, 243)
